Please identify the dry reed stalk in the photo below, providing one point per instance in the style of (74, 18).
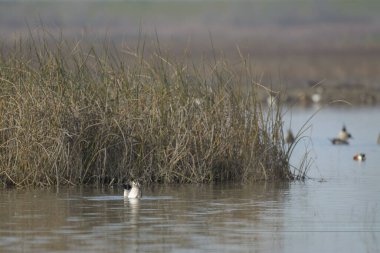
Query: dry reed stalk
(71, 114)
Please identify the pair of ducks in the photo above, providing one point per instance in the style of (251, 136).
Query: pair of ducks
(342, 138)
(132, 190)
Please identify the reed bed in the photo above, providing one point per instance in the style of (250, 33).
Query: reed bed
(72, 114)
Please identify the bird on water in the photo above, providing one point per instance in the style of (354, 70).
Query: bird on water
(359, 157)
(342, 138)
(132, 190)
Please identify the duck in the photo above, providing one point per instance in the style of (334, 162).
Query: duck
(359, 157)
(342, 138)
(343, 134)
(132, 190)
(289, 137)
(378, 140)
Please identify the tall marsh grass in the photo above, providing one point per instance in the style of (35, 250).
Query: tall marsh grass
(73, 114)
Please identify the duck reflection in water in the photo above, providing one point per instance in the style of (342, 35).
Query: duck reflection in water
(131, 214)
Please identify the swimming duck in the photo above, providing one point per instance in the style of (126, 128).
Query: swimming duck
(289, 137)
(343, 134)
(342, 138)
(378, 140)
(359, 157)
(132, 190)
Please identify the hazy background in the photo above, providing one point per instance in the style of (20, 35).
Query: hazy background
(291, 42)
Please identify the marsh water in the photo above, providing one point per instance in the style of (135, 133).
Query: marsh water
(336, 210)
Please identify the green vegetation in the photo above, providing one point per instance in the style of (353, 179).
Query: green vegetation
(73, 114)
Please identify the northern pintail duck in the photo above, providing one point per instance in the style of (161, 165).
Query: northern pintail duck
(359, 157)
(343, 137)
(132, 190)
(343, 134)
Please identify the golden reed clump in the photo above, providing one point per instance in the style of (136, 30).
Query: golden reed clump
(71, 114)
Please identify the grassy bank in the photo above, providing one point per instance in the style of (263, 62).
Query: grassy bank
(71, 114)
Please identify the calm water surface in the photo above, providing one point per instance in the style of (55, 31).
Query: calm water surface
(337, 210)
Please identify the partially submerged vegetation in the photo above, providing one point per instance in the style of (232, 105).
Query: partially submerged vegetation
(71, 114)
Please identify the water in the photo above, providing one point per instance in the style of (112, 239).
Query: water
(337, 210)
